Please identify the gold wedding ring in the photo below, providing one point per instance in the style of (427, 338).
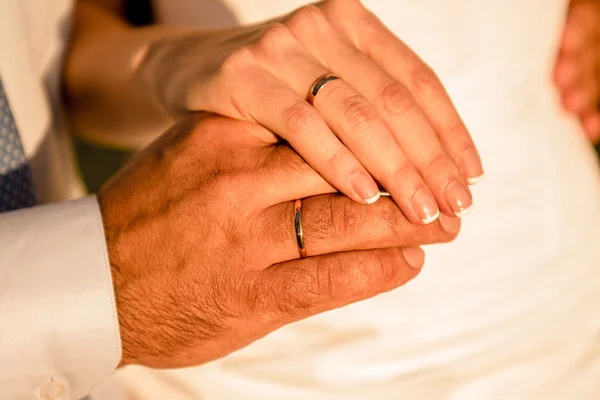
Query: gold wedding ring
(298, 227)
(319, 84)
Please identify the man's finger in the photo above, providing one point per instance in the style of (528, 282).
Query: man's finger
(334, 223)
(301, 288)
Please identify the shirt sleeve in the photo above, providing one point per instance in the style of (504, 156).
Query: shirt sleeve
(59, 333)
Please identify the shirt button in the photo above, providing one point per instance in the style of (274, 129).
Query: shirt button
(53, 390)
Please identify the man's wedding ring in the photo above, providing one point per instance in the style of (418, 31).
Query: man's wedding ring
(298, 227)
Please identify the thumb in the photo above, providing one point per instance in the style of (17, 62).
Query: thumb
(301, 288)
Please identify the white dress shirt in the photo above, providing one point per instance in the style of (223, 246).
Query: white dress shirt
(59, 334)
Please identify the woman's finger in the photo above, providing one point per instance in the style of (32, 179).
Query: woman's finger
(358, 125)
(399, 61)
(353, 120)
(402, 116)
(274, 105)
(284, 112)
(247, 90)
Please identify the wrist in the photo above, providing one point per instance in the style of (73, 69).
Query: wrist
(120, 279)
(156, 70)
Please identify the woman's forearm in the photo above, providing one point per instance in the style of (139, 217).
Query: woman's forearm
(106, 100)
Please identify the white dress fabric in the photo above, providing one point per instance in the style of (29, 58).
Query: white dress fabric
(510, 310)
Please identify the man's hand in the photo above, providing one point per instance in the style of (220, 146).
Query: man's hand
(201, 241)
(577, 72)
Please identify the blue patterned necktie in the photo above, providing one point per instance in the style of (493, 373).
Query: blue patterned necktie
(16, 185)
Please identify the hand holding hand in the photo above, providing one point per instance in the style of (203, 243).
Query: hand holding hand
(201, 241)
(388, 118)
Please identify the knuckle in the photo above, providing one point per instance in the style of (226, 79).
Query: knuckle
(373, 273)
(343, 279)
(270, 232)
(423, 79)
(325, 273)
(298, 117)
(237, 60)
(321, 224)
(356, 4)
(397, 99)
(387, 266)
(252, 295)
(345, 5)
(276, 37)
(404, 172)
(301, 289)
(280, 158)
(358, 113)
(308, 14)
(337, 159)
(350, 17)
(458, 131)
(392, 220)
(309, 21)
(440, 165)
(335, 218)
(345, 217)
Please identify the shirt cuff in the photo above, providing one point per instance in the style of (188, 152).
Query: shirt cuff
(59, 332)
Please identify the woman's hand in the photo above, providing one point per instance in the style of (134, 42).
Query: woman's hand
(577, 71)
(388, 118)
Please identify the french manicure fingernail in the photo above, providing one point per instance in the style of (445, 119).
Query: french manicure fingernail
(425, 206)
(459, 199)
(449, 224)
(475, 181)
(414, 256)
(472, 168)
(365, 187)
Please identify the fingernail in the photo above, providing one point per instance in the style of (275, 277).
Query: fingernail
(365, 187)
(449, 224)
(425, 206)
(414, 256)
(459, 199)
(472, 168)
